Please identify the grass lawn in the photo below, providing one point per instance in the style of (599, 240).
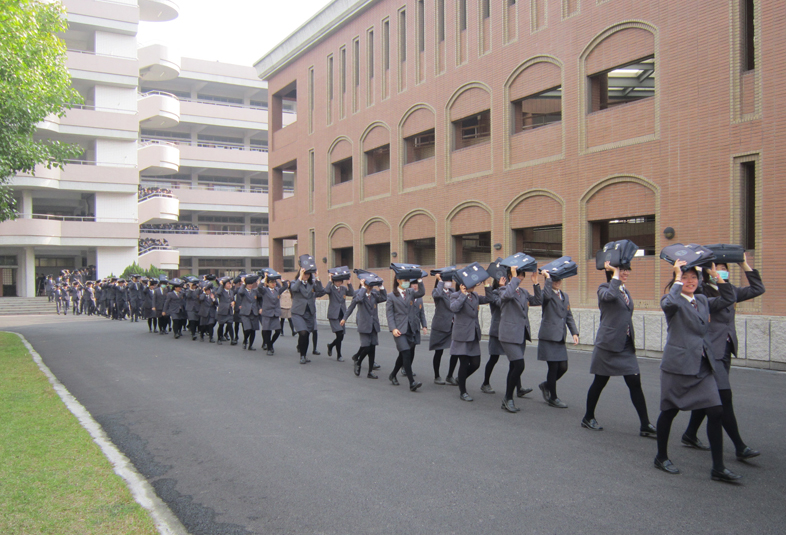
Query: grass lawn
(53, 477)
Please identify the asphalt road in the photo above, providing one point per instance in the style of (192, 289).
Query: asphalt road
(236, 442)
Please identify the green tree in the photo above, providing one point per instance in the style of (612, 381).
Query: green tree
(34, 83)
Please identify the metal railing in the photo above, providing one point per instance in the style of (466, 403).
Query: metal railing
(143, 250)
(82, 219)
(92, 53)
(204, 232)
(200, 143)
(99, 164)
(92, 107)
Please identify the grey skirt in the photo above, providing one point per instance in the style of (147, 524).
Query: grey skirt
(250, 323)
(610, 363)
(439, 340)
(286, 313)
(225, 318)
(193, 315)
(204, 321)
(304, 322)
(369, 339)
(689, 392)
(552, 351)
(270, 323)
(514, 351)
(471, 349)
(495, 347)
(335, 326)
(407, 341)
(722, 368)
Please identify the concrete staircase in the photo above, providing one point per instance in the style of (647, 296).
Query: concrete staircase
(25, 306)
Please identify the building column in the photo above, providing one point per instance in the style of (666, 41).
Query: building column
(27, 204)
(25, 273)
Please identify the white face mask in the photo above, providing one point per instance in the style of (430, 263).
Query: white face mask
(723, 275)
(404, 284)
(448, 285)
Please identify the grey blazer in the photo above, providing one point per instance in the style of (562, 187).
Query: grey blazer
(271, 302)
(247, 301)
(495, 304)
(466, 327)
(134, 291)
(206, 304)
(174, 305)
(402, 311)
(338, 302)
(159, 299)
(722, 322)
(304, 296)
(443, 316)
(615, 317)
(514, 318)
(225, 299)
(368, 317)
(423, 322)
(556, 316)
(688, 328)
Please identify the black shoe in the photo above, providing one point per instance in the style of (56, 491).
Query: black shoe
(315, 352)
(357, 369)
(233, 342)
(330, 350)
(725, 475)
(245, 344)
(545, 392)
(377, 366)
(486, 389)
(220, 342)
(372, 376)
(439, 381)
(177, 336)
(193, 337)
(307, 360)
(414, 385)
(252, 349)
(465, 397)
(694, 443)
(302, 360)
(212, 341)
(667, 466)
(451, 381)
(339, 359)
(558, 403)
(523, 392)
(591, 424)
(392, 379)
(355, 357)
(293, 333)
(507, 404)
(648, 431)
(264, 347)
(747, 453)
(270, 352)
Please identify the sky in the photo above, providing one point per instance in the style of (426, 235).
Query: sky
(230, 31)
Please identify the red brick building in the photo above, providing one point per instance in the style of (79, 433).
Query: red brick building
(448, 131)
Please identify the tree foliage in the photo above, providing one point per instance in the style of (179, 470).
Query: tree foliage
(135, 268)
(34, 83)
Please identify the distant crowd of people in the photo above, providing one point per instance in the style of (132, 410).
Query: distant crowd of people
(145, 193)
(147, 244)
(170, 228)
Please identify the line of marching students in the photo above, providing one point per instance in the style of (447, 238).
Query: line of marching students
(699, 305)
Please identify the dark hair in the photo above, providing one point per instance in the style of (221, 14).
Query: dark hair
(495, 284)
(395, 287)
(705, 287)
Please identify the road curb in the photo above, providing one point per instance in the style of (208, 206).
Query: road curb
(165, 520)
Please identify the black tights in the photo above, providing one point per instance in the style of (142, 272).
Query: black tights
(207, 330)
(404, 360)
(468, 365)
(177, 326)
(248, 337)
(714, 433)
(337, 343)
(267, 340)
(152, 324)
(314, 337)
(636, 396)
(275, 336)
(556, 371)
(371, 352)
(453, 361)
(728, 420)
(490, 368)
(302, 343)
(192, 326)
(291, 325)
(514, 376)
(437, 361)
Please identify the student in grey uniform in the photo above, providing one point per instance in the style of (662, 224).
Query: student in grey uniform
(495, 348)
(441, 324)
(514, 331)
(247, 301)
(366, 300)
(225, 300)
(148, 304)
(134, 298)
(337, 310)
(237, 286)
(723, 338)
(192, 307)
(270, 295)
(207, 313)
(286, 311)
(686, 378)
(121, 299)
(175, 307)
(404, 326)
(556, 317)
(159, 299)
(49, 288)
(90, 295)
(615, 352)
(61, 299)
(305, 291)
(466, 334)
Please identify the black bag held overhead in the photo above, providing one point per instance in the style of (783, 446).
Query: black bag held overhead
(341, 273)
(446, 273)
(471, 276)
(520, 262)
(271, 273)
(407, 271)
(496, 269)
(693, 254)
(727, 254)
(618, 253)
(371, 279)
(307, 262)
(562, 268)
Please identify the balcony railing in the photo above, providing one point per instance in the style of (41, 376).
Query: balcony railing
(91, 53)
(88, 219)
(143, 250)
(100, 164)
(215, 186)
(201, 143)
(204, 232)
